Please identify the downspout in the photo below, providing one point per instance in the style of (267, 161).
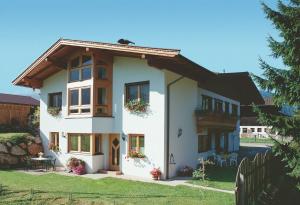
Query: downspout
(168, 124)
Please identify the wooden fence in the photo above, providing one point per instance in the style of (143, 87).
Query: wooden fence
(10, 113)
(252, 178)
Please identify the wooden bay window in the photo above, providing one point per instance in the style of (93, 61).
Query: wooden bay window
(80, 68)
(80, 100)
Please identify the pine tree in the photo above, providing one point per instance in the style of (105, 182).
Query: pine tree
(284, 83)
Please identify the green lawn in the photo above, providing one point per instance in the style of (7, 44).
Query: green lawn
(256, 140)
(13, 137)
(56, 189)
(219, 177)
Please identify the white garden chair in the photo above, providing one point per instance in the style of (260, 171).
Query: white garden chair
(221, 161)
(233, 159)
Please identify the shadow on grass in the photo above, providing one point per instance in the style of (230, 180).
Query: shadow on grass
(221, 174)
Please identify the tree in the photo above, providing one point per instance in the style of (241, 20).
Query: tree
(284, 83)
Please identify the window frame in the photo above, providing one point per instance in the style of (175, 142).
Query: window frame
(207, 103)
(54, 138)
(204, 142)
(80, 67)
(139, 94)
(138, 147)
(50, 95)
(217, 103)
(236, 108)
(79, 142)
(80, 106)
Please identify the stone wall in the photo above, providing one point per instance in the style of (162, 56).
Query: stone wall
(13, 155)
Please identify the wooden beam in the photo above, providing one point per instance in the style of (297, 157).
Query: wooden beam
(34, 83)
(57, 63)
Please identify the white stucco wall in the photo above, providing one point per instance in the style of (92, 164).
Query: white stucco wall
(183, 101)
(129, 70)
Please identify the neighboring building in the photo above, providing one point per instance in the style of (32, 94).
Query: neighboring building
(14, 109)
(92, 85)
(250, 127)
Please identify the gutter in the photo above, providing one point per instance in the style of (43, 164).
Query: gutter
(168, 124)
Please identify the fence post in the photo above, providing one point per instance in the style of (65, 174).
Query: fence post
(1, 189)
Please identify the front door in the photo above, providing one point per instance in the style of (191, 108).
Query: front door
(114, 152)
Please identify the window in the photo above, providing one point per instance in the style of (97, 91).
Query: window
(258, 129)
(252, 129)
(102, 96)
(85, 96)
(74, 97)
(98, 144)
(85, 143)
(54, 139)
(137, 91)
(204, 143)
(227, 107)
(80, 68)
(101, 73)
(55, 100)
(206, 103)
(80, 100)
(244, 130)
(218, 106)
(79, 142)
(137, 143)
(234, 110)
(73, 142)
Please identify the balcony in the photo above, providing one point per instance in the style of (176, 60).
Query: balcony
(215, 120)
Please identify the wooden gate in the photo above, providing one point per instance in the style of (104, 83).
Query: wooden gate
(252, 177)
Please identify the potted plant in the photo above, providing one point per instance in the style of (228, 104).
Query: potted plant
(137, 106)
(77, 166)
(156, 173)
(135, 154)
(54, 111)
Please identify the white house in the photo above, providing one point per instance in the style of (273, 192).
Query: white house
(102, 102)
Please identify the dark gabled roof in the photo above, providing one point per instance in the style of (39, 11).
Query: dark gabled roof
(18, 99)
(247, 110)
(241, 86)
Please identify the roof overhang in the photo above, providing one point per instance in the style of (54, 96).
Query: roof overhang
(50, 61)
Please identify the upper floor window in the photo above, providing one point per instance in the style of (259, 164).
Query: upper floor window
(227, 107)
(55, 100)
(218, 105)
(80, 68)
(234, 109)
(101, 73)
(80, 100)
(206, 103)
(245, 130)
(137, 91)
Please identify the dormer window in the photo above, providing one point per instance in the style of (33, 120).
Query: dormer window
(80, 68)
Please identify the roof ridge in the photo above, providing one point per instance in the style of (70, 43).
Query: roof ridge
(120, 45)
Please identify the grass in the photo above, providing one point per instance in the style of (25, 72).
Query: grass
(14, 138)
(256, 140)
(58, 189)
(219, 177)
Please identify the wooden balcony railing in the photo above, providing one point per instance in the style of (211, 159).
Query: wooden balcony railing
(215, 120)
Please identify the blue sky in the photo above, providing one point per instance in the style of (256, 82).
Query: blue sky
(220, 34)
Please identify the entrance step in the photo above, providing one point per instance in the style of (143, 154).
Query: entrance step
(109, 172)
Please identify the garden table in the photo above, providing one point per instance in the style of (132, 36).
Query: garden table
(43, 161)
